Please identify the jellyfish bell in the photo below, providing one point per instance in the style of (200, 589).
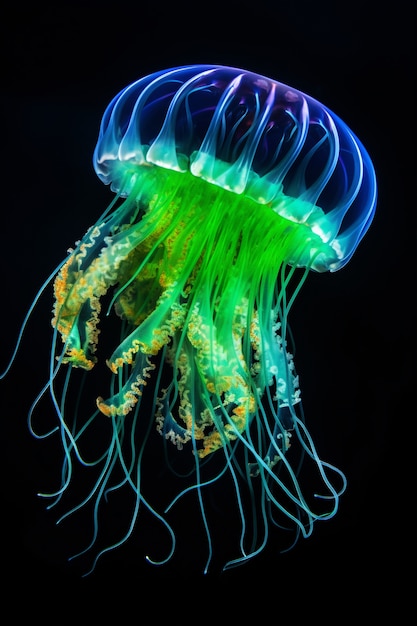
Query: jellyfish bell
(250, 135)
(230, 187)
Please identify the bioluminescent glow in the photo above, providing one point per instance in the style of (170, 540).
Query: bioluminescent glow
(230, 188)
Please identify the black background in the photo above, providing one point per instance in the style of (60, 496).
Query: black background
(354, 330)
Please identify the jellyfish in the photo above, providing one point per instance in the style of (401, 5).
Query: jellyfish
(229, 188)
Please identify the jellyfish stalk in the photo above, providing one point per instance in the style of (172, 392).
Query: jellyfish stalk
(207, 286)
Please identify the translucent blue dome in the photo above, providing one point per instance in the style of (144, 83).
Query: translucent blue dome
(248, 134)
